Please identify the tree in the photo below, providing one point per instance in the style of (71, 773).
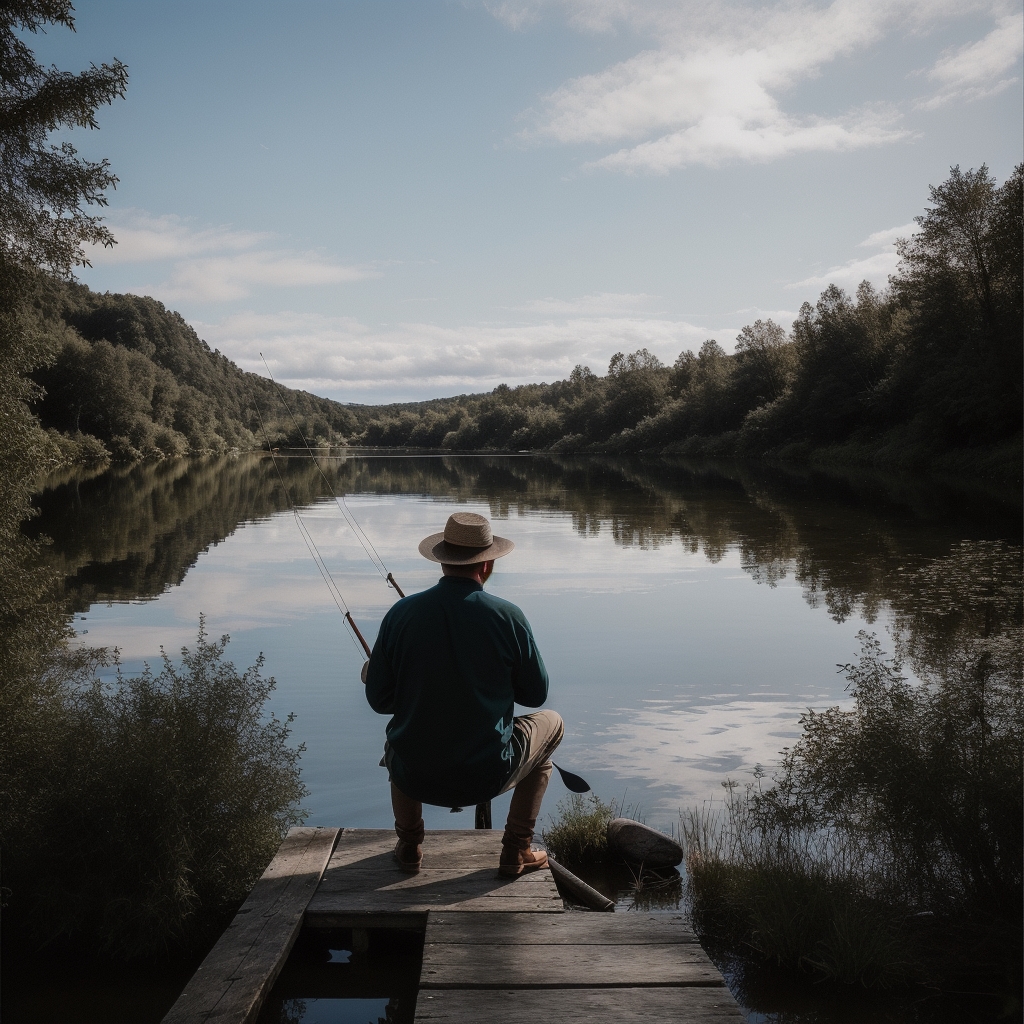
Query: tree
(960, 288)
(44, 188)
(638, 384)
(43, 225)
(764, 363)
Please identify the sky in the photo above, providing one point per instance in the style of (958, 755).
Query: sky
(395, 201)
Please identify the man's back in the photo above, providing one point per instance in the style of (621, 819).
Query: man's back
(448, 665)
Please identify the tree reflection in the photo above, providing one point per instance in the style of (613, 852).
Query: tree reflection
(853, 542)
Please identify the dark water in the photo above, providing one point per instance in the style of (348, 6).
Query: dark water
(688, 612)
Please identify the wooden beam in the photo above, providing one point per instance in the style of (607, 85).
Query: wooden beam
(234, 979)
(363, 887)
(577, 929)
(508, 965)
(579, 1006)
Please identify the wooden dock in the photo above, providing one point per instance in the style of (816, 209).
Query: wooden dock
(495, 949)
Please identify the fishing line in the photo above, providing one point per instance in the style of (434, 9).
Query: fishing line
(332, 586)
(364, 540)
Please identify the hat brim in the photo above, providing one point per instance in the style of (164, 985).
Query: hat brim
(435, 548)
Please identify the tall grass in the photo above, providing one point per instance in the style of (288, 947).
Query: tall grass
(889, 848)
(579, 832)
(158, 803)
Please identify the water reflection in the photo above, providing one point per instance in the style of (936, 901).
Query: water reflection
(689, 611)
(324, 982)
(130, 533)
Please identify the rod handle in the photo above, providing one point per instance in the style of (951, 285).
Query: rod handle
(359, 636)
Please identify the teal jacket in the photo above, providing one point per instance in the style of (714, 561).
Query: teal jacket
(448, 666)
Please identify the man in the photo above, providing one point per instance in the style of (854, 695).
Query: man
(448, 666)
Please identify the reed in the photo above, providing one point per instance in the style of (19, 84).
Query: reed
(888, 850)
(578, 833)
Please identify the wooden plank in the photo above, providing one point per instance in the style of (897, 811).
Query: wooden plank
(324, 906)
(404, 920)
(492, 965)
(362, 882)
(572, 928)
(234, 979)
(441, 846)
(578, 1006)
(390, 877)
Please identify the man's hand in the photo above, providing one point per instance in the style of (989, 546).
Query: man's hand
(362, 672)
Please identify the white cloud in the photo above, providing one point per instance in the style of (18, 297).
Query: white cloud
(875, 268)
(143, 238)
(711, 89)
(341, 354)
(214, 264)
(227, 278)
(979, 69)
(887, 236)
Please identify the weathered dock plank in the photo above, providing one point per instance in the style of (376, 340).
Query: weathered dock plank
(363, 887)
(564, 966)
(493, 966)
(234, 979)
(495, 949)
(574, 929)
(578, 1006)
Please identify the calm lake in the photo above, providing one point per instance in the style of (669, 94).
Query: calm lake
(688, 613)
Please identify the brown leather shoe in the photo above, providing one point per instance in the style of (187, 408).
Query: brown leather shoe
(515, 862)
(409, 856)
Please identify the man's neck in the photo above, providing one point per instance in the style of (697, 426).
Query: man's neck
(479, 573)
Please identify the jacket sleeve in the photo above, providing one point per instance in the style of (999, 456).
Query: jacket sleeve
(530, 679)
(380, 679)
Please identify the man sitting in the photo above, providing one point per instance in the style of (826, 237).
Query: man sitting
(448, 666)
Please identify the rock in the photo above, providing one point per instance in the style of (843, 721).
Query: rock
(639, 843)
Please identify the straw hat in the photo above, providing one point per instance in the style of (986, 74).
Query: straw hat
(466, 540)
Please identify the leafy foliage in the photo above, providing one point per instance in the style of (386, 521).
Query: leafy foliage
(131, 816)
(44, 189)
(43, 223)
(135, 376)
(155, 803)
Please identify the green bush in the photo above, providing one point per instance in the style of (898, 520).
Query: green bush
(895, 822)
(160, 801)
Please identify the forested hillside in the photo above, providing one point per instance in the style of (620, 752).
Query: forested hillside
(132, 379)
(927, 372)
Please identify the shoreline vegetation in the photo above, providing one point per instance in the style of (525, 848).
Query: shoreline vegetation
(925, 374)
(884, 852)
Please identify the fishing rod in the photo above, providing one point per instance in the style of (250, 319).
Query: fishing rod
(572, 782)
(364, 540)
(332, 586)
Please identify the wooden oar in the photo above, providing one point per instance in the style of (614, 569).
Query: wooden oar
(573, 782)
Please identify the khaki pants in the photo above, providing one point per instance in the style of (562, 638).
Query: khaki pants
(535, 738)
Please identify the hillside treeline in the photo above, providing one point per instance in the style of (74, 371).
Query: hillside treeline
(926, 371)
(128, 378)
(930, 365)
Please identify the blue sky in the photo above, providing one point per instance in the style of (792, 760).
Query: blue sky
(399, 200)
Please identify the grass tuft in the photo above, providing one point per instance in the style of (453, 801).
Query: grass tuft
(579, 832)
